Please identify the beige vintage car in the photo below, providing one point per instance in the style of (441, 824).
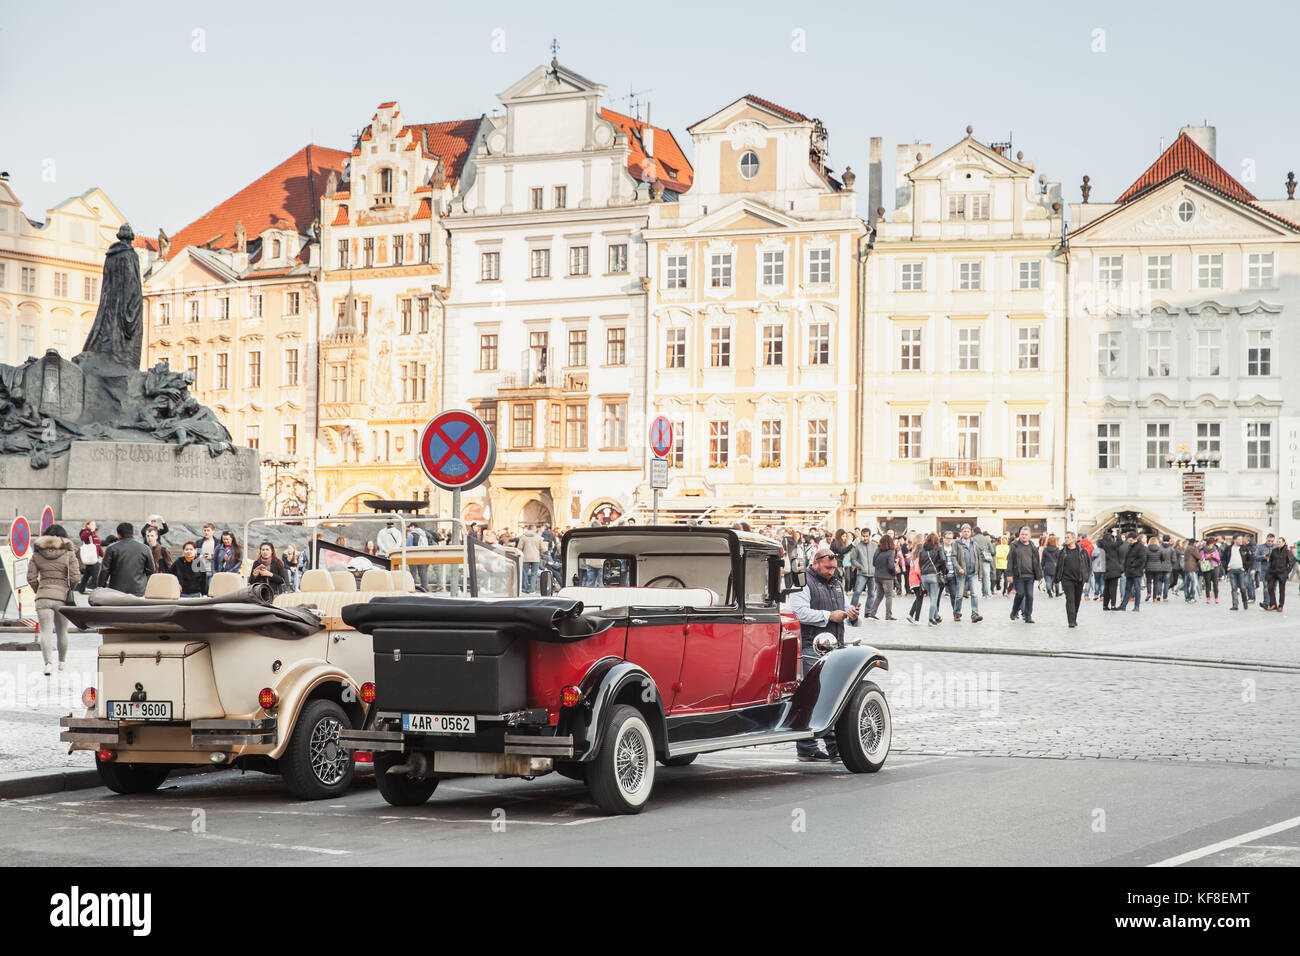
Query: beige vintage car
(234, 679)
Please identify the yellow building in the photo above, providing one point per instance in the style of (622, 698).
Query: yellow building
(754, 324)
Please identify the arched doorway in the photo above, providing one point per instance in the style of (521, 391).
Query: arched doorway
(536, 513)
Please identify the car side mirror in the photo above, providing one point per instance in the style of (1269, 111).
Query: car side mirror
(794, 582)
(544, 582)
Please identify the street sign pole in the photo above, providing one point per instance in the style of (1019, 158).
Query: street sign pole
(661, 443)
(454, 577)
(655, 519)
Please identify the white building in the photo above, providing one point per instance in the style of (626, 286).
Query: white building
(546, 316)
(1182, 292)
(963, 384)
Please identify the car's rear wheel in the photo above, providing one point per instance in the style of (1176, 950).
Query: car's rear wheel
(623, 773)
(679, 761)
(400, 789)
(864, 730)
(315, 765)
(131, 777)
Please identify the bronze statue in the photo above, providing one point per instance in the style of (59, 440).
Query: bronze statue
(118, 332)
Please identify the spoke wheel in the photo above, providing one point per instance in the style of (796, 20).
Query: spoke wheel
(314, 765)
(328, 759)
(864, 730)
(622, 775)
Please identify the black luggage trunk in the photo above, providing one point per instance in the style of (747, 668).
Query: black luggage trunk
(462, 669)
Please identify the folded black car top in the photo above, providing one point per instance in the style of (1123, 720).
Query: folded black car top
(177, 618)
(544, 619)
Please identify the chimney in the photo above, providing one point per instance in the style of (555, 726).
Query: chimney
(1202, 136)
(906, 160)
(875, 173)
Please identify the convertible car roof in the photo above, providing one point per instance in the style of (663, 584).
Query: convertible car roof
(554, 620)
(243, 611)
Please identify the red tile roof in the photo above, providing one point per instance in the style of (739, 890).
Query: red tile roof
(450, 141)
(1185, 157)
(788, 114)
(668, 164)
(425, 211)
(390, 105)
(341, 217)
(142, 242)
(287, 197)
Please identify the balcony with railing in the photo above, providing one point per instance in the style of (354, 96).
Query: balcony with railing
(945, 472)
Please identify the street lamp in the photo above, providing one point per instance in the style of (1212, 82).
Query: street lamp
(277, 464)
(1069, 512)
(1271, 505)
(1186, 461)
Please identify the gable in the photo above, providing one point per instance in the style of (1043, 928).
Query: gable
(969, 153)
(744, 215)
(556, 81)
(746, 222)
(750, 109)
(1155, 216)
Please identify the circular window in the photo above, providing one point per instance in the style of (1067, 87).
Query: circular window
(749, 164)
(1186, 210)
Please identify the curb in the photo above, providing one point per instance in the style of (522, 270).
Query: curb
(34, 783)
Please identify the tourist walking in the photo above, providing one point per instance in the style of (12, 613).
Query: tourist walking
(530, 543)
(162, 558)
(984, 552)
(862, 562)
(1051, 551)
(268, 569)
(1191, 570)
(127, 563)
(934, 571)
(53, 573)
(1073, 569)
(1098, 571)
(207, 549)
(1001, 578)
(1241, 559)
(189, 572)
(884, 567)
(1281, 562)
(969, 553)
(229, 556)
(1114, 569)
(91, 553)
(1024, 568)
(1209, 569)
(1133, 559)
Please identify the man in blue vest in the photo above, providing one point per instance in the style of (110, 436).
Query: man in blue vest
(821, 608)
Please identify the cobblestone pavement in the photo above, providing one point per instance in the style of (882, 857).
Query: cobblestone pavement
(31, 705)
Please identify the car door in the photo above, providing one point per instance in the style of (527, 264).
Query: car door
(656, 637)
(761, 633)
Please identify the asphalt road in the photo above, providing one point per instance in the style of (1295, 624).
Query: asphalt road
(743, 807)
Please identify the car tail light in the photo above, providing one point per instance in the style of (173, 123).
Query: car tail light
(363, 756)
(89, 696)
(570, 696)
(106, 755)
(266, 698)
(368, 692)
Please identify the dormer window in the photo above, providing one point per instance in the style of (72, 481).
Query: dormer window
(384, 188)
(275, 248)
(749, 164)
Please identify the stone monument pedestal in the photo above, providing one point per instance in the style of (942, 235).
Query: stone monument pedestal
(128, 481)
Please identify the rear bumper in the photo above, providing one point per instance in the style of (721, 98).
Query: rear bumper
(214, 733)
(397, 741)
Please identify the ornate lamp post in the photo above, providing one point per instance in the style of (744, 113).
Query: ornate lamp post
(1271, 505)
(1069, 512)
(1186, 461)
(277, 464)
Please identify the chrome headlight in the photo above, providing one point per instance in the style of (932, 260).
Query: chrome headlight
(824, 643)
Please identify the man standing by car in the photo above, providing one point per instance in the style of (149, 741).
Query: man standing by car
(127, 563)
(821, 608)
(1024, 568)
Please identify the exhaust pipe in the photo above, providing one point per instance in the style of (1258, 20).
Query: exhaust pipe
(417, 765)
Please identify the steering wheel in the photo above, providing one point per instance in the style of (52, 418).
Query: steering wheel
(669, 581)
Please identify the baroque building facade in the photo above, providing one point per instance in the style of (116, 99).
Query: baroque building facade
(546, 314)
(1184, 289)
(754, 331)
(963, 385)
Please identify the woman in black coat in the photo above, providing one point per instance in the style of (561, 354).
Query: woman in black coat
(1073, 566)
(268, 569)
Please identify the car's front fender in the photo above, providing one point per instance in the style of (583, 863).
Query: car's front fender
(608, 682)
(821, 695)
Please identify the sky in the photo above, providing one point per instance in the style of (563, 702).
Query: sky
(172, 107)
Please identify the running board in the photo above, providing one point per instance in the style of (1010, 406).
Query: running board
(741, 740)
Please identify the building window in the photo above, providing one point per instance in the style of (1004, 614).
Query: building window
(577, 348)
(720, 347)
(615, 425)
(487, 352)
(1160, 272)
(1209, 440)
(253, 437)
(819, 343)
(1029, 274)
(489, 267)
(909, 436)
(774, 268)
(254, 370)
(540, 263)
(819, 266)
(618, 258)
(223, 370)
(913, 277)
(578, 261)
(292, 302)
(536, 198)
(1259, 444)
(255, 306)
(1108, 445)
(4, 272)
(1108, 354)
(1207, 352)
(1157, 444)
(968, 349)
(1110, 272)
(61, 285)
(488, 415)
(27, 280)
(909, 349)
(1028, 344)
(424, 305)
(774, 345)
(1158, 349)
(1259, 352)
(368, 249)
(1028, 434)
(771, 443)
(561, 196)
(414, 381)
(399, 250)
(343, 251)
(291, 440)
(970, 276)
(192, 310)
(290, 366)
(365, 316)
(968, 436)
(555, 434)
(27, 340)
(720, 270)
(677, 456)
(192, 367)
(718, 445)
(223, 308)
(90, 286)
(405, 313)
(616, 347)
(426, 245)
(539, 348)
(818, 443)
(1209, 271)
(749, 164)
(968, 206)
(675, 355)
(575, 426)
(164, 313)
(676, 273)
(338, 382)
(1186, 210)
(522, 433)
(1259, 270)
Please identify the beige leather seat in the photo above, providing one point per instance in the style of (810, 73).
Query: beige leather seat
(317, 579)
(223, 582)
(405, 580)
(163, 587)
(377, 579)
(343, 581)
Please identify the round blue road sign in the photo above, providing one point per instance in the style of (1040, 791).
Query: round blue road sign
(661, 436)
(457, 451)
(47, 519)
(20, 536)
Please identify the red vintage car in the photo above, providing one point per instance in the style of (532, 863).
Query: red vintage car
(663, 644)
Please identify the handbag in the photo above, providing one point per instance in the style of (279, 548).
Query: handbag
(89, 554)
(914, 575)
(1206, 566)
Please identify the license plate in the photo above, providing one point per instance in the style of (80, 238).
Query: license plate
(139, 710)
(437, 724)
